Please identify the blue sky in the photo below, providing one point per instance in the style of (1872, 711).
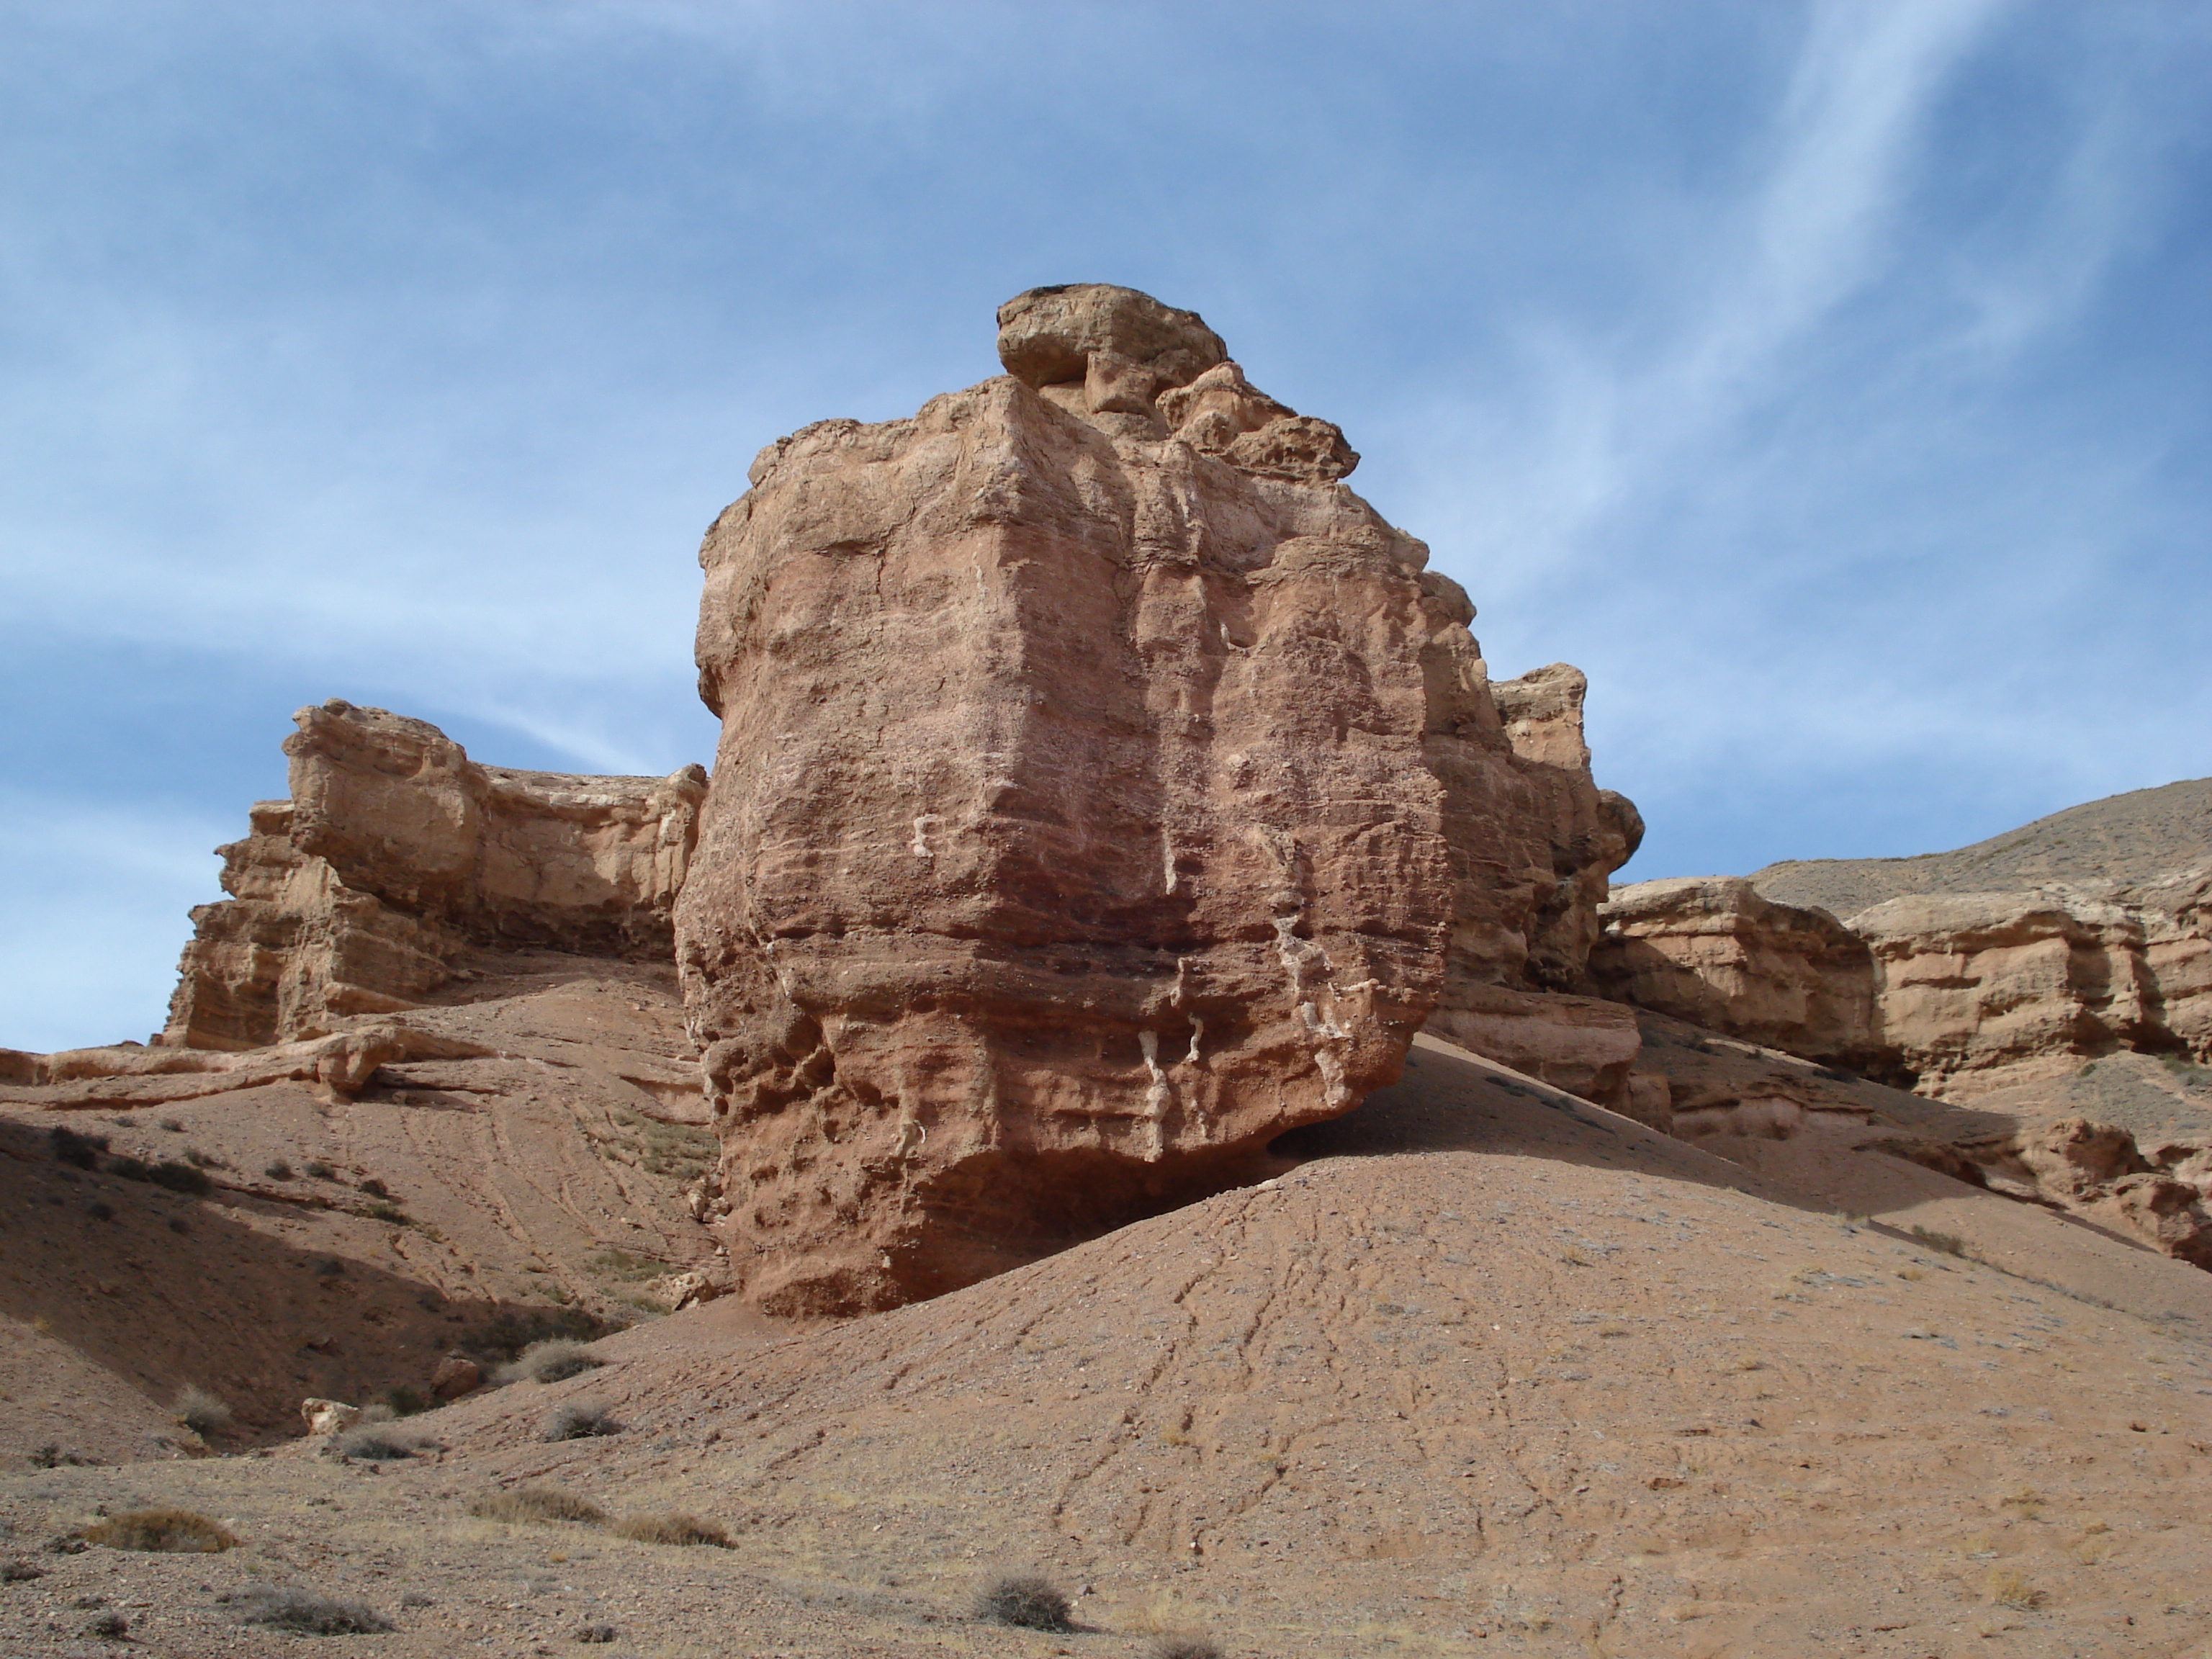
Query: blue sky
(1830, 382)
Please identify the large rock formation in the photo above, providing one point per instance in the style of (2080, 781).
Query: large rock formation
(1104, 789)
(395, 853)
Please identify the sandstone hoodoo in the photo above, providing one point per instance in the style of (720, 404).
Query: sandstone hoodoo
(1104, 789)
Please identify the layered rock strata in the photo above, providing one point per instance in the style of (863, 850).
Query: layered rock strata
(1978, 990)
(1104, 789)
(1954, 994)
(1711, 951)
(395, 854)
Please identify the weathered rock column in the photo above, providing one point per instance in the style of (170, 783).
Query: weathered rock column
(1071, 833)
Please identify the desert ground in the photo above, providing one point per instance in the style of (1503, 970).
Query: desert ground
(1485, 1369)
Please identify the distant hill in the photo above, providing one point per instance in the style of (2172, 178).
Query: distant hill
(2108, 846)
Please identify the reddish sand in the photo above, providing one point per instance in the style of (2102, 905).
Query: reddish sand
(1494, 1370)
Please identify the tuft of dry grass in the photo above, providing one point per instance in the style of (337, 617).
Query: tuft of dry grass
(673, 1528)
(306, 1613)
(1183, 1647)
(2009, 1589)
(378, 1445)
(577, 1420)
(202, 1413)
(535, 1506)
(554, 1360)
(162, 1531)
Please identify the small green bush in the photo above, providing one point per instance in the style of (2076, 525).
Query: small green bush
(162, 1532)
(405, 1402)
(376, 1445)
(509, 1332)
(280, 1171)
(1948, 1243)
(319, 1169)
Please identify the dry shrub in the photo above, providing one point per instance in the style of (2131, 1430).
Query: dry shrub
(1024, 1601)
(372, 1445)
(552, 1361)
(185, 1178)
(2008, 1588)
(199, 1411)
(306, 1613)
(163, 1531)
(577, 1420)
(672, 1530)
(81, 1152)
(535, 1505)
(1183, 1647)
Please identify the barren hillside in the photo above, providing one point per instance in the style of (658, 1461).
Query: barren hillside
(2116, 844)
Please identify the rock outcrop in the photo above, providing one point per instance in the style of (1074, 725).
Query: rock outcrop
(1710, 951)
(395, 853)
(1104, 789)
(1954, 994)
(1978, 990)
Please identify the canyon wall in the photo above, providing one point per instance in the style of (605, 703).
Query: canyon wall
(1954, 994)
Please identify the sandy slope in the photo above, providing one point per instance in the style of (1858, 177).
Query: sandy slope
(1492, 1372)
(536, 1181)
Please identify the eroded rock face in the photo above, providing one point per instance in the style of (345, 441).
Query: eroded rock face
(394, 854)
(1978, 990)
(1104, 790)
(1954, 994)
(1710, 951)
